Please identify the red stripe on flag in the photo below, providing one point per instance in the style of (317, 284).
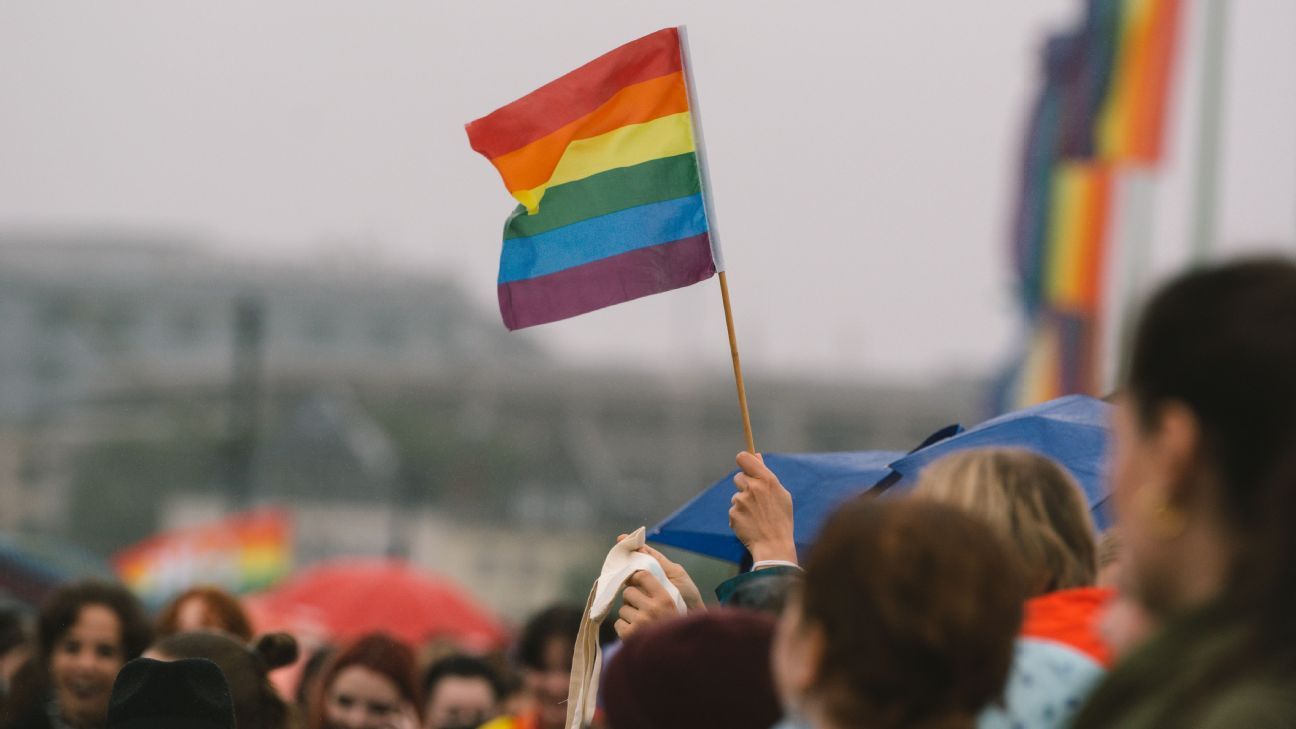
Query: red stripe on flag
(575, 94)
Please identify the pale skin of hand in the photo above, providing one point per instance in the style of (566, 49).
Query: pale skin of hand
(761, 511)
(645, 600)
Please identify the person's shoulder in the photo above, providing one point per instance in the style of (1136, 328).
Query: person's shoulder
(735, 586)
(28, 705)
(1047, 685)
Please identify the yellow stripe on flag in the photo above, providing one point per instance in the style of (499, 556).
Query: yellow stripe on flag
(1066, 236)
(639, 103)
(625, 147)
(1116, 122)
(1041, 372)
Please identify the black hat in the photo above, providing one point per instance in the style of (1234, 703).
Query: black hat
(186, 694)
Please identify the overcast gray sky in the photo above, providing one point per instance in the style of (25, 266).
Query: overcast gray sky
(862, 153)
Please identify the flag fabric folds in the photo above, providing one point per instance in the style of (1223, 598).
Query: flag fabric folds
(603, 164)
(241, 553)
(1100, 112)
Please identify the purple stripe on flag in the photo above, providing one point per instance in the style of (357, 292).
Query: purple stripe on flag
(605, 282)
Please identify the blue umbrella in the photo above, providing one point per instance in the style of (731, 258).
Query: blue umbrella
(1071, 430)
(31, 567)
(818, 482)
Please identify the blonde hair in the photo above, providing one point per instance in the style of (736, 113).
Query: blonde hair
(1029, 500)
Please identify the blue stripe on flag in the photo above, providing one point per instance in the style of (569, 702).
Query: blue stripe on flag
(598, 238)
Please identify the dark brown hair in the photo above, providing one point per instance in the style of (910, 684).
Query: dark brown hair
(257, 704)
(556, 622)
(62, 609)
(459, 665)
(58, 614)
(920, 604)
(226, 608)
(1222, 342)
(379, 653)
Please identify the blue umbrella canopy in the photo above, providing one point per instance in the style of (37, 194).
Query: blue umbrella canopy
(818, 482)
(1071, 430)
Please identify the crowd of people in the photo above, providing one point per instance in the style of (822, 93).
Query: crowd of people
(980, 597)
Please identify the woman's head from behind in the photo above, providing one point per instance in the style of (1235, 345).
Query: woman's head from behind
(906, 619)
(1204, 463)
(683, 673)
(87, 631)
(257, 704)
(366, 685)
(1030, 501)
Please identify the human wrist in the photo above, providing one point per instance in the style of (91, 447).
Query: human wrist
(771, 563)
(776, 552)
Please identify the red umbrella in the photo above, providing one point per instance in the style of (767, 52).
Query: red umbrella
(345, 598)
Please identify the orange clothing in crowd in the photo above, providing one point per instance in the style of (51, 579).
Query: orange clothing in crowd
(525, 721)
(1071, 617)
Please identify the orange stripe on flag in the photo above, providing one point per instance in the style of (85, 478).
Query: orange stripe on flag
(1149, 113)
(1093, 236)
(532, 165)
(1128, 80)
(1064, 235)
(1078, 235)
(575, 94)
(1136, 102)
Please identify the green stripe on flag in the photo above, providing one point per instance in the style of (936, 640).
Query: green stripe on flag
(662, 179)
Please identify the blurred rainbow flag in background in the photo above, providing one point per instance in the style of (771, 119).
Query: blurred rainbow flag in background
(605, 168)
(1101, 111)
(241, 553)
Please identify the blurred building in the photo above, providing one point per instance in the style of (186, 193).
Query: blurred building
(144, 384)
(82, 316)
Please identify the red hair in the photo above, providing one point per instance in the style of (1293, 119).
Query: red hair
(379, 653)
(226, 608)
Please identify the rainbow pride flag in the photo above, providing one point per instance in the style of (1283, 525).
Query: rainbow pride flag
(603, 164)
(241, 553)
(1100, 112)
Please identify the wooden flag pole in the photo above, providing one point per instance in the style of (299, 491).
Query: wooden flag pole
(737, 364)
(695, 119)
